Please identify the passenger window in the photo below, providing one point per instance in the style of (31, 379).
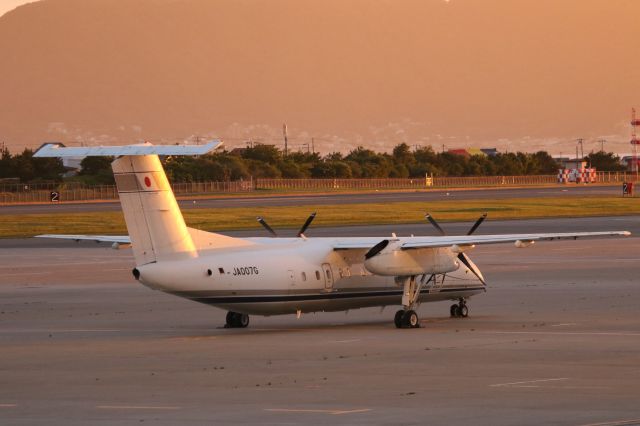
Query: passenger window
(318, 275)
(304, 276)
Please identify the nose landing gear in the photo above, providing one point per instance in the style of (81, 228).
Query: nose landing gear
(236, 320)
(407, 317)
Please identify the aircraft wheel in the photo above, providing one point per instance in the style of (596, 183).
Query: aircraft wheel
(463, 311)
(242, 320)
(397, 319)
(236, 320)
(230, 320)
(454, 311)
(410, 319)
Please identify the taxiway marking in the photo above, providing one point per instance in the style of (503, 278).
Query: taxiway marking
(137, 407)
(616, 423)
(527, 383)
(332, 412)
(569, 333)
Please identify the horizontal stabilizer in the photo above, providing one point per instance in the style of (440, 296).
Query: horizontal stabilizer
(120, 239)
(59, 150)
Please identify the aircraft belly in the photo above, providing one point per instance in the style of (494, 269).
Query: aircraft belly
(279, 303)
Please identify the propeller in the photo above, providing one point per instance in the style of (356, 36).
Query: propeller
(461, 256)
(266, 226)
(376, 249)
(300, 233)
(443, 233)
(435, 224)
(306, 224)
(478, 222)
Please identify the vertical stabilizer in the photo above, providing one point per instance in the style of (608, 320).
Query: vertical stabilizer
(154, 221)
(156, 227)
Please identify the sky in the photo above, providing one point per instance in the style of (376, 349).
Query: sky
(512, 74)
(7, 5)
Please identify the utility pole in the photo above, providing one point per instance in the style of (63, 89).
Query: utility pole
(602, 141)
(286, 139)
(313, 146)
(580, 142)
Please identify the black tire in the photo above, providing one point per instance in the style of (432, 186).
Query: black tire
(463, 311)
(230, 320)
(242, 320)
(397, 319)
(410, 319)
(453, 311)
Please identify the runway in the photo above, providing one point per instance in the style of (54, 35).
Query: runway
(338, 198)
(555, 340)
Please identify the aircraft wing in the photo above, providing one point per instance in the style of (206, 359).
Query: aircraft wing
(470, 240)
(120, 239)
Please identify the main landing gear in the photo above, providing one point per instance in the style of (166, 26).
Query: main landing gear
(459, 310)
(237, 320)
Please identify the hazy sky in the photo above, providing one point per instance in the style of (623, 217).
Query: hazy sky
(516, 74)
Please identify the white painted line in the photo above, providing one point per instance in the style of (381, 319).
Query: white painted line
(529, 381)
(61, 331)
(567, 333)
(17, 274)
(566, 324)
(345, 341)
(8, 405)
(136, 407)
(332, 412)
(615, 423)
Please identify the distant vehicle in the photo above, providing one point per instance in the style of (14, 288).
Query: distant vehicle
(273, 276)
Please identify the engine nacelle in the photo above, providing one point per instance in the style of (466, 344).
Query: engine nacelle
(393, 261)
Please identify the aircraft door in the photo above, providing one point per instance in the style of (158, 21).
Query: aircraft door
(292, 278)
(328, 276)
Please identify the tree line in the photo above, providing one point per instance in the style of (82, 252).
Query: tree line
(267, 161)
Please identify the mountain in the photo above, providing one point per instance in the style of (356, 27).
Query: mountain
(347, 72)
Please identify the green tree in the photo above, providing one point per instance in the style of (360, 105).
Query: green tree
(605, 161)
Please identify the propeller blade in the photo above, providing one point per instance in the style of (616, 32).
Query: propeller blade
(266, 226)
(306, 224)
(465, 259)
(435, 224)
(478, 222)
(376, 249)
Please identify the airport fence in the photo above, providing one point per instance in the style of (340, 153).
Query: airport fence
(69, 192)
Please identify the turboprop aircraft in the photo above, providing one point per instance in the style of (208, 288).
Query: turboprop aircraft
(273, 276)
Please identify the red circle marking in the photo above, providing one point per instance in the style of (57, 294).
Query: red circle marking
(147, 181)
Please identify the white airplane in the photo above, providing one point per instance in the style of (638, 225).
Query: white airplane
(274, 276)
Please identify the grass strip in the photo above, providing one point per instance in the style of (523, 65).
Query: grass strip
(112, 223)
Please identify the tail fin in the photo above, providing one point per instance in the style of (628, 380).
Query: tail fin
(154, 221)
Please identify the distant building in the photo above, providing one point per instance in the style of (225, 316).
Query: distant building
(468, 152)
(627, 161)
(572, 163)
(462, 152)
(491, 152)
